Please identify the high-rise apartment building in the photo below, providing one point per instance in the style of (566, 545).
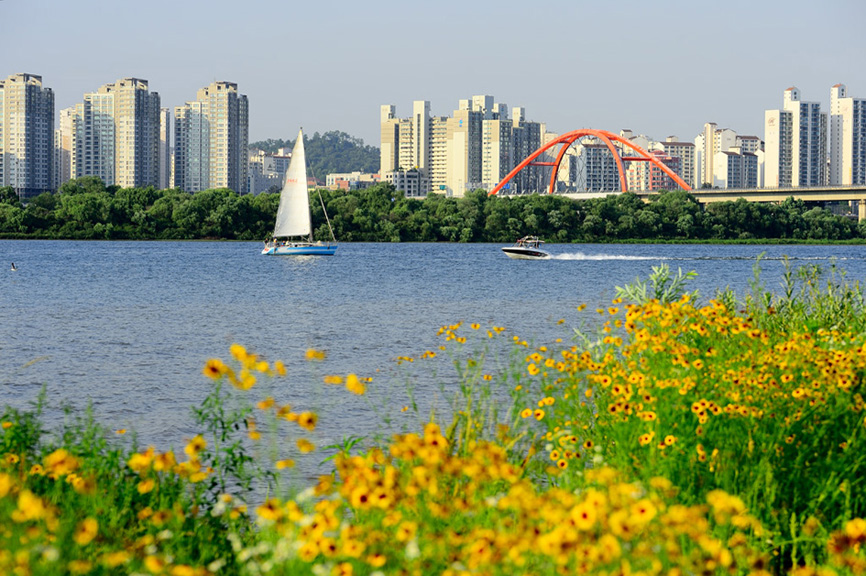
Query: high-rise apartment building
(497, 149)
(164, 148)
(211, 138)
(597, 169)
(735, 169)
(116, 135)
(847, 140)
(463, 135)
(712, 140)
(795, 140)
(526, 138)
(26, 135)
(685, 151)
(64, 147)
(474, 148)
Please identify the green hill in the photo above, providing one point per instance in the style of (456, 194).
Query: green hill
(329, 153)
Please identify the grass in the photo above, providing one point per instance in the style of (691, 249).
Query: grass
(682, 437)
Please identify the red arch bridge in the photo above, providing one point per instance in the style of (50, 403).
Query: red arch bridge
(607, 138)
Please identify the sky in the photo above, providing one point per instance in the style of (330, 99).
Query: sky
(659, 68)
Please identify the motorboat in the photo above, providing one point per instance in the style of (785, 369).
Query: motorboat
(527, 248)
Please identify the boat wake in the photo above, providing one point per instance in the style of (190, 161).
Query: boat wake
(582, 256)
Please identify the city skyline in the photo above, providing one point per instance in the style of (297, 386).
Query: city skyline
(619, 66)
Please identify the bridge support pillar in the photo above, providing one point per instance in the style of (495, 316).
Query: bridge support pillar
(861, 213)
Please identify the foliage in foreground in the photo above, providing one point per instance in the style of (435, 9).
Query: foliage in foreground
(685, 438)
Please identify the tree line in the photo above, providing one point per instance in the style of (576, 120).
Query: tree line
(87, 209)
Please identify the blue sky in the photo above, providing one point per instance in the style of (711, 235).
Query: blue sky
(656, 67)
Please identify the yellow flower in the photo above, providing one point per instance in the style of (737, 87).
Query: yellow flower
(120, 431)
(141, 461)
(406, 531)
(196, 445)
(30, 507)
(313, 354)
(6, 425)
(245, 382)
(584, 516)
(332, 379)
(60, 462)
(856, 530)
(376, 560)
(154, 564)
(270, 510)
(5, 484)
(214, 368)
(265, 404)
(280, 368)
(86, 531)
(305, 445)
(282, 464)
(238, 352)
(354, 385)
(307, 421)
(164, 462)
(114, 559)
(79, 566)
(145, 486)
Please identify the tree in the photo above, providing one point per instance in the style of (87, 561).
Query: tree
(8, 196)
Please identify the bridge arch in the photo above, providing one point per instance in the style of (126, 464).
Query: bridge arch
(608, 138)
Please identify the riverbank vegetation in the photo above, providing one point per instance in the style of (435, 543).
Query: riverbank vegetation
(686, 435)
(86, 209)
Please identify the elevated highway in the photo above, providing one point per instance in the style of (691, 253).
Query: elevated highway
(856, 193)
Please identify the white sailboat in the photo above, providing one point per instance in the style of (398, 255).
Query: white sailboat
(293, 231)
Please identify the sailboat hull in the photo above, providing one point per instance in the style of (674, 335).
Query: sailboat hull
(300, 249)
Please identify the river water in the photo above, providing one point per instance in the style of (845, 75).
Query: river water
(128, 326)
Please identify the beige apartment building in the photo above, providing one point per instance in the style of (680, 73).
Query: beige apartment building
(473, 148)
(26, 135)
(685, 151)
(211, 140)
(116, 135)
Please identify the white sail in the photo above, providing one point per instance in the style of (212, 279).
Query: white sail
(293, 215)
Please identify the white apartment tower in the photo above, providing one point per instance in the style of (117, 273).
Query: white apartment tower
(709, 142)
(847, 138)
(63, 147)
(795, 143)
(164, 148)
(26, 135)
(116, 135)
(211, 137)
